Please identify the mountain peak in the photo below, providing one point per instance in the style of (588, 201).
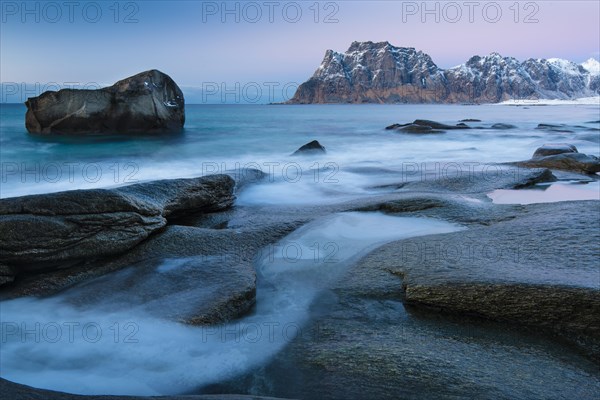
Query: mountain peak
(383, 73)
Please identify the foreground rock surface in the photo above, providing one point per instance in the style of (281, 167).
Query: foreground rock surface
(56, 229)
(16, 391)
(505, 273)
(149, 102)
(369, 328)
(365, 338)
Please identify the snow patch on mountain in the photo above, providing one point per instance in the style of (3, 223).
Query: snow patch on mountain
(592, 66)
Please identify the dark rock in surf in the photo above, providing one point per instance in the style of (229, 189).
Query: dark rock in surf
(551, 149)
(549, 126)
(149, 102)
(313, 147)
(395, 126)
(562, 156)
(503, 126)
(7, 274)
(439, 125)
(425, 126)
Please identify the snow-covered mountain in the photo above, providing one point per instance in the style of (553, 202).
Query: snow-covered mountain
(381, 73)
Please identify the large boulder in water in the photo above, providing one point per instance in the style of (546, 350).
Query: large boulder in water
(149, 102)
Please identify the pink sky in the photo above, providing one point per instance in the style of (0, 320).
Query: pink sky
(194, 45)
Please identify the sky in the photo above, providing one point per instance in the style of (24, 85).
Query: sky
(261, 50)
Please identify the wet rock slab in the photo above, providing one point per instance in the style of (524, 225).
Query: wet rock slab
(519, 270)
(49, 230)
(15, 391)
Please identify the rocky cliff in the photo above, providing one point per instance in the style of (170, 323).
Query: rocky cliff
(381, 73)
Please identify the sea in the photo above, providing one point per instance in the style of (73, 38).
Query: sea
(113, 348)
(222, 138)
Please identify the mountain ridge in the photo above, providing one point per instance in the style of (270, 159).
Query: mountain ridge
(378, 72)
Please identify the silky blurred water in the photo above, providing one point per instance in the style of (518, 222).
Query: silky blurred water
(225, 137)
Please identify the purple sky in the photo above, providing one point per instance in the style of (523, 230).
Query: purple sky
(190, 42)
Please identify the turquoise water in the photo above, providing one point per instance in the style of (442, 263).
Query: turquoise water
(223, 137)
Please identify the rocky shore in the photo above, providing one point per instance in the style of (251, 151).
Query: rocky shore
(472, 313)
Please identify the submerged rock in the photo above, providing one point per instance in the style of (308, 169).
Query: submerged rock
(149, 102)
(413, 128)
(57, 229)
(313, 147)
(555, 128)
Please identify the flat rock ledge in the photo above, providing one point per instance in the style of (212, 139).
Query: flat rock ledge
(519, 270)
(55, 230)
(15, 391)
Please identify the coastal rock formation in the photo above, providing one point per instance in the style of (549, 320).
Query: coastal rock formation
(564, 157)
(371, 328)
(425, 126)
(149, 102)
(313, 147)
(48, 230)
(561, 296)
(551, 149)
(381, 73)
(366, 326)
(7, 274)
